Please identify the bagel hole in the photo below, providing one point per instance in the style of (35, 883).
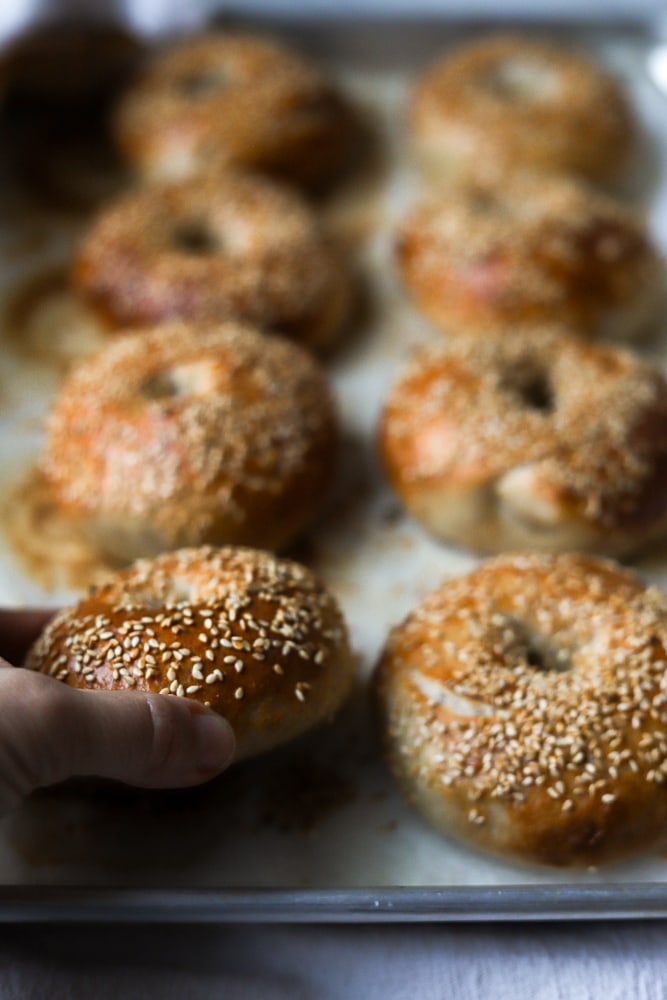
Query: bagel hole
(484, 203)
(531, 387)
(195, 238)
(194, 379)
(536, 659)
(526, 646)
(523, 81)
(546, 661)
(198, 86)
(541, 657)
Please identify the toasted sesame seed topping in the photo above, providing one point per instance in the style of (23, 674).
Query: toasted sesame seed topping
(169, 655)
(597, 448)
(513, 721)
(301, 690)
(546, 239)
(266, 413)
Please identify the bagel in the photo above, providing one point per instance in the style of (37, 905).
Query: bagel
(524, 249)
(511, 102)
(534, 441)
(186, 435)
(256, 638)
(219, 247)
(524, 711)
(234, 100)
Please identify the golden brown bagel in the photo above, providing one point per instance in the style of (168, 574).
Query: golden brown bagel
(235, 100)
(538, 440)
(187, 435)
(524, 711)
(223, 246)
(256, 638)
(511, 102)
(485, 255)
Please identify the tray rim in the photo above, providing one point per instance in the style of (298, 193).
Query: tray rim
(453, 904)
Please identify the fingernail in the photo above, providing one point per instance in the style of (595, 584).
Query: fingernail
(215, 742)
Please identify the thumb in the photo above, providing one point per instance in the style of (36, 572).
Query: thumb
(50, 732)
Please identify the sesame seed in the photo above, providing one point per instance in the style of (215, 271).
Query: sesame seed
(301, 690)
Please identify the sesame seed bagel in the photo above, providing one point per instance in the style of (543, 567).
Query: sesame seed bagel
(536, 441)
(512, 101)
(487, 254)
(234, 100)
(185, 435)
(256, 638)
(223, 246)
(524, 711)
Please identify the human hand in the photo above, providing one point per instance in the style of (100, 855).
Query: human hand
(50, 732)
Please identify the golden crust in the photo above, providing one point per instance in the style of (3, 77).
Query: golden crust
(511, 101)
(221, 246)
(256, 638)
(524, 710)
(235, 100)
(525, 249)
(539, 440)
(186, 435)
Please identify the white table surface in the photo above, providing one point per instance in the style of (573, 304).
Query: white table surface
(615, 961)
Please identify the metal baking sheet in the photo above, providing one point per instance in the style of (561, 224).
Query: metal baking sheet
(316, 831)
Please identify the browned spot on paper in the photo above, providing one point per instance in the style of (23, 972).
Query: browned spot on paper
(45, 322)
(48, 544)
(303, 794)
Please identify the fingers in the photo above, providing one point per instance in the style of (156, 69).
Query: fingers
(50, 732)
(19, 628)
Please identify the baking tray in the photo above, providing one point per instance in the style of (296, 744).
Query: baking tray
(316, 831)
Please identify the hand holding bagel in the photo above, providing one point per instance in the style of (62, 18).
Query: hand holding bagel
(49, 732)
